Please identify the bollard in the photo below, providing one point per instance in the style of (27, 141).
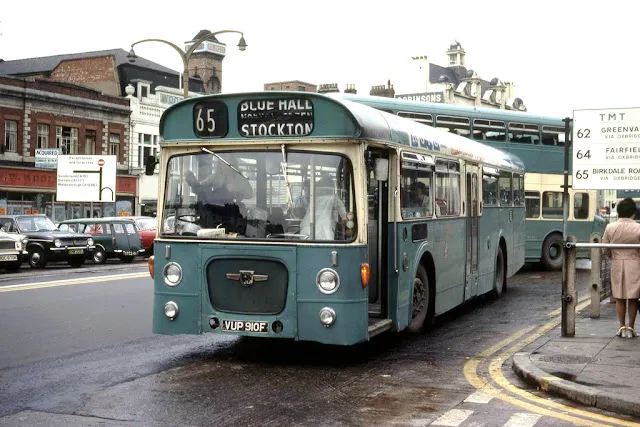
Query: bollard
(596, 280)
(569, 298)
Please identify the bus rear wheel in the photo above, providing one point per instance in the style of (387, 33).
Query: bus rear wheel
(552, 252)
(421, 308)
(500, 281)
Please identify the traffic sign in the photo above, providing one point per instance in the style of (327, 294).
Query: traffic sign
(101, 162)
(606, 149)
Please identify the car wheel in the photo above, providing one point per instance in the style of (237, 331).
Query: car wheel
(99, 256)
(76, 262)
(36, 258)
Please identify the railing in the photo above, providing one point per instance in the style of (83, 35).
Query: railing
(600, 277)
(150, 111)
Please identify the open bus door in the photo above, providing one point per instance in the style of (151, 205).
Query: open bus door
(378, 211)
(472, 214)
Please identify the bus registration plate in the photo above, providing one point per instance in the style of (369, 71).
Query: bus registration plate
(245, 326)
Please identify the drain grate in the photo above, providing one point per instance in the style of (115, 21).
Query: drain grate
(568, 359)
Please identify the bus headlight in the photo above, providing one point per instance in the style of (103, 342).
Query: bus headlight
(327, 281)
(57, 242)
(172, 274)
(171, 310)
(89, 241)
(327, 316)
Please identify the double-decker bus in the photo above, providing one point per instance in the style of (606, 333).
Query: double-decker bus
(539, 142)
(295, 215)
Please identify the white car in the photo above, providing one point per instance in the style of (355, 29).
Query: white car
(13, 250)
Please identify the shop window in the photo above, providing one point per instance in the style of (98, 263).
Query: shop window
(11, 136)
(552, 204)
(532, 204)
(43, 136)
(148, 146)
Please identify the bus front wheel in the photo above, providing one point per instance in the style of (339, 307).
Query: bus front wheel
(552, 252)
(421, 301)
(500, 281)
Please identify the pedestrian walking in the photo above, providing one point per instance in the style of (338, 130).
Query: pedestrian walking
(625, 265)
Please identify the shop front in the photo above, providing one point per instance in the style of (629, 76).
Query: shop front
(33, 191)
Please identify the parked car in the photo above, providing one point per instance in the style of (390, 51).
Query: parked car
(13, 250)
(47, 243)
(113, 237)
(148, 226)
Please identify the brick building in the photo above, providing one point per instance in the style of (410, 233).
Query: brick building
(39, 113)
(291, 85)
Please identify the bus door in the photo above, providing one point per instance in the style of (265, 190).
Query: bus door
(472, 214)
(378, 210)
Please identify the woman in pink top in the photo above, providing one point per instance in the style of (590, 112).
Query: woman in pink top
(625, 265)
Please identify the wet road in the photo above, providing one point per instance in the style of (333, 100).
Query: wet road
(85, 353)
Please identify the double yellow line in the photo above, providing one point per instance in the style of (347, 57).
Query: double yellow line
(530, 402)
(86, 280)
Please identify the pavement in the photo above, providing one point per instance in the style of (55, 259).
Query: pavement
(594, 368)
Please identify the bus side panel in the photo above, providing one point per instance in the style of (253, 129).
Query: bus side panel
(187, 295)
(488, 238)
(516, 258)
(506, 227)
(350, 301)
(536, 232)
(449, 242)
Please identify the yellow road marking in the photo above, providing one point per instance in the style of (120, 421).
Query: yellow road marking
(558, 311)
(86, 280)
(495, 372)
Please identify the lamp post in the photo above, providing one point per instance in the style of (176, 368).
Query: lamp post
(242, 45)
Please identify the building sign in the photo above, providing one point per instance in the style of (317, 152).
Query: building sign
(209, 46)
(31, 178)
(47, 157)
(275, 117)
(86, 178)
(168, 99)
(437, 97)
(606, 149)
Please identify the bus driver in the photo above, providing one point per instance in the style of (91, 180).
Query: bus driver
(329, 210)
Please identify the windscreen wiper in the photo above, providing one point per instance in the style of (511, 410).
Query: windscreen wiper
(223, 160)
(283, 165)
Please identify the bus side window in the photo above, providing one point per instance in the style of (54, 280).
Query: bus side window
(447, 188)
(581, 205)
(490, 190)
(532, 209)
(506, 190)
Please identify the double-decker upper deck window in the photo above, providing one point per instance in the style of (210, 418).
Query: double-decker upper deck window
(489, 130)
(425, 119)
(552, 135)
(251, 194)
(457, 125)
(447, 188)
(524, 133)
(490, 188)
(532, 204)
(416, 186)
(506, 189)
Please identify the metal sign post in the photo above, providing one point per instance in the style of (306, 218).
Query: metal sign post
(566, 294)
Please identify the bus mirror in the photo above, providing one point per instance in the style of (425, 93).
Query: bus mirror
(382, 170)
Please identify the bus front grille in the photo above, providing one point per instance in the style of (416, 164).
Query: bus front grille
(247, 286)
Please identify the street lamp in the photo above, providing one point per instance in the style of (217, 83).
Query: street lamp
(242, 45)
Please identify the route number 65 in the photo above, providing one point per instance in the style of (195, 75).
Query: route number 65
(210, 119)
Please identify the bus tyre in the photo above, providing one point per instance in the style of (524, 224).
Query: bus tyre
(421, 301)
(500, 278)
(552, 252)
(36, 258)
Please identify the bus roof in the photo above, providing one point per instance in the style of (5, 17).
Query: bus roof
(467, 111)
(292, 115)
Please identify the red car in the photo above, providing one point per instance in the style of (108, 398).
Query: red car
(147, 226)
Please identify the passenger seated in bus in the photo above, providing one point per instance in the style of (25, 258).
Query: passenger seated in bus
(329, 210)
(420, 195)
